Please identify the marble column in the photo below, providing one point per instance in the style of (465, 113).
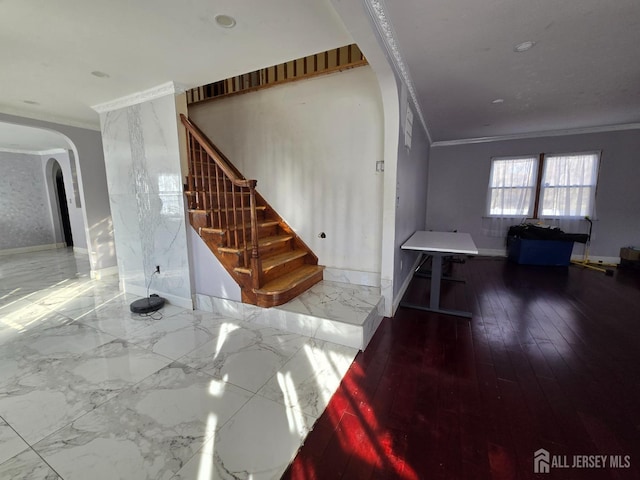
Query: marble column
(142, 158)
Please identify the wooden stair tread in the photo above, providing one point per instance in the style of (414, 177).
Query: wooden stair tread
(290, 280)
(262, 242)
(275, 260)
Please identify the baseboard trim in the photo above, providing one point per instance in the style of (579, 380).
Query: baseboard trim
(83, 251)
(34, 248)
(405, 285)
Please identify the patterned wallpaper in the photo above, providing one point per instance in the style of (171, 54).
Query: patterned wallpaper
(25, 215)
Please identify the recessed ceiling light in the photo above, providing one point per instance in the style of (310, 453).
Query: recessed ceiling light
(225, 21)
(31, 102)
(497, 101)
(99, 74)
(524, 46)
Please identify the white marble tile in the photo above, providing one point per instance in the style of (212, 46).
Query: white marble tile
(10, 443)
(149, 432)
(116, 318)
(27, 466)
(258, 443)
(51, 392)
(59, 340)
(245, 355)
(22, 317)
(336, 301)
(179, 334)
(308, 381)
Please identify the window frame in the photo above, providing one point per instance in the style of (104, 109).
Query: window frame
(533, 187)
(535, 210)
(592, 206)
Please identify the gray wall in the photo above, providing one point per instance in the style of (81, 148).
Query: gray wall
(93, 186)
(459, 176)
(25, 218)
(411, 193)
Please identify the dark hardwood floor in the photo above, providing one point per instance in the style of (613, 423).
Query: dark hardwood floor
(551, 359)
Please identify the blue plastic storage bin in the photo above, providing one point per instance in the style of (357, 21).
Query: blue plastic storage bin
(540, 252)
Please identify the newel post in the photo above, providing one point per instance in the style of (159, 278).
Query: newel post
(256, 263)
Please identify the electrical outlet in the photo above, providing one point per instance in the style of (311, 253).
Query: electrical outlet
(157, 268)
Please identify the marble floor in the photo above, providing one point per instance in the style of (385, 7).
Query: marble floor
(90, 390)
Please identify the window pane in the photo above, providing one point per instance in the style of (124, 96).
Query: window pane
(567, 201)
(567, 170)
(511, 186)
(569, 185)
(510, 201)
(513, 172)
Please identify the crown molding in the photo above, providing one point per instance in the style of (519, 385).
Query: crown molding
(53, 151)
(45, 117)
(169, 88)
(548, 133)
(378, 13)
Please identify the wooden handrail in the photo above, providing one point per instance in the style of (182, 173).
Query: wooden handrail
(228, 169)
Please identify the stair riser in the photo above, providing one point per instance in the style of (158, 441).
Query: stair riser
(280, 270)
(267, 301)
(276, 248)
(199, 219)
(213, 241)
(262, 232)
(222, 220)
(233, 260)
(279, 247)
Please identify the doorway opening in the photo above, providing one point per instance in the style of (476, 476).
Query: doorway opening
(63, 207)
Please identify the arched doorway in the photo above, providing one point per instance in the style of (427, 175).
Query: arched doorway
(63, 208)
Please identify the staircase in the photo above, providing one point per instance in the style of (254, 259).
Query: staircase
(270, 263)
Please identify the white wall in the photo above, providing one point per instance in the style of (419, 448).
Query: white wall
(313, 146)
(459, 176)
(25, 218)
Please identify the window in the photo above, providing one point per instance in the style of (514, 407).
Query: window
(568, 186)
(512, 186)
(553, 185)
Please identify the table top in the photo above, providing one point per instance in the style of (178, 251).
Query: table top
(442, 242)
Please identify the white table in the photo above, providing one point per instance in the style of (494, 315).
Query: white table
(438, 245)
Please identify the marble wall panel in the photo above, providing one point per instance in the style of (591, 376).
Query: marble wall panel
(147, 204)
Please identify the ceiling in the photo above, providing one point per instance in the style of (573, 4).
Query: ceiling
(27, 139)
(584, 70)
(48, 50)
